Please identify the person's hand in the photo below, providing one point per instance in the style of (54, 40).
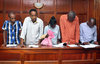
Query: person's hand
(77, 43)
(58, 42)
(21, 45)
(86, 43)
(3, 44)
(47, 36)
(96, 42)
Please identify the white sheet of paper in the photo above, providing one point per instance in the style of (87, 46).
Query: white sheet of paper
(11, 45)
(59, 45)
(89, 46)
(34, 46)
(72, 45)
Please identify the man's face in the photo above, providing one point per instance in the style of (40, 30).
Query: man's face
(12, 18)
(91, 23)
(33, 16)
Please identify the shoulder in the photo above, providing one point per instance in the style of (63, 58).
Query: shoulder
(95, 26)
(27, 19)
(18, 21)
(6, 21)
(57, 26)
(39, 20)
(63, 16)
(46, 27)
(83, 24)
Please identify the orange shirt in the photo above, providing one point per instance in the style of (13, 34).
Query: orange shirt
(69, 30)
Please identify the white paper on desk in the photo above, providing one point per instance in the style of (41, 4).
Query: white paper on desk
(59, 45)
(34, 46)
(11, 45)
(89, 46)
(72, 45)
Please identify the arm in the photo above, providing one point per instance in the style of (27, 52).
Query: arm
(20, 27)
(95, 36)
(4, 38)
(58, 38)
(77, 31)
(41, 31)
(23, 32)
(62, 29)
(81, 34)
(4, 33)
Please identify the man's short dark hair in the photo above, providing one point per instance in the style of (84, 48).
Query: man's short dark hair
(32, 10)
(10, 13)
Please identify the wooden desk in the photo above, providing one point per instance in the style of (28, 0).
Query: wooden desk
(49, 55)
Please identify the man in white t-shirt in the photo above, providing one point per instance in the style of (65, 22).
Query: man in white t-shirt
(32, 28)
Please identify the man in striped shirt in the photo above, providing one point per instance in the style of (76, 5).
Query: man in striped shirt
(11, 30)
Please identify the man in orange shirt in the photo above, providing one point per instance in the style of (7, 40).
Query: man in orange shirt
(69, 24)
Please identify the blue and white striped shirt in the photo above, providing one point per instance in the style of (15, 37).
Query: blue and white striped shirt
(13, 35)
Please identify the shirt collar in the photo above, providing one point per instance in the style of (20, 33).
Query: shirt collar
(34, 22)
(51, 27)
(87, 25)
(14, 23)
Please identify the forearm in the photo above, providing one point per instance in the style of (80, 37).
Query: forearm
(58, 41)
(21, 41)
(39, 41)
(4, 37)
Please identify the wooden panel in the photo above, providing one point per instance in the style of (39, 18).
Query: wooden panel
(78, 62)
(48, 5)
(24, 16)
(41, 62)
(51, 55)
(10, 62)
(58, 18)
(9, 57)
(46, 18)
(28, 4)
(13, 5)
(1, 39)
(98, 56)
(1, 4)
(97, 16)
(1, 21)
(79, 6)
(82, 18)
(77, 56)
(63, 5)
(91, 9)
(40, 57)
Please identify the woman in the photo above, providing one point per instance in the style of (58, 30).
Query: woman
(54, 28)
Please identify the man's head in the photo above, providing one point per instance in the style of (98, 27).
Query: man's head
(91, 22)
(33, 14)
(12, 17)
(71, 15)
(52, 22)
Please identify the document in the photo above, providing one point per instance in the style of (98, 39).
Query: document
(11, 45)
(72, 45)
(89, 46)
(59, 45)
(34, 46)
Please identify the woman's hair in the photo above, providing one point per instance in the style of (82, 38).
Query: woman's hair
(52, 21)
